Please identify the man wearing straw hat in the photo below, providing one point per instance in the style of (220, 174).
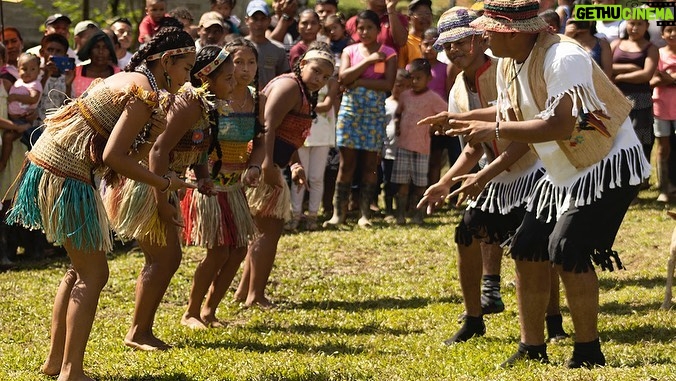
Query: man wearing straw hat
(553, 97)
(497, 205)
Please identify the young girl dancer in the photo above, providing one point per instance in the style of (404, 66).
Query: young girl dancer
(218, 217)
(368, 71)
(289, 110)
(102, 132)
(154, 219)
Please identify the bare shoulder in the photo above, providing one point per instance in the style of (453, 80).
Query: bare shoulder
(125, 79)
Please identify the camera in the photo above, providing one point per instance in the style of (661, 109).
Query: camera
(64, 63)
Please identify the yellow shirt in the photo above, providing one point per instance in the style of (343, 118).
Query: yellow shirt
(410, 51)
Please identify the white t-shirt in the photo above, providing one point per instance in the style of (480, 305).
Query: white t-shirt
(323, 130)
(561, 80)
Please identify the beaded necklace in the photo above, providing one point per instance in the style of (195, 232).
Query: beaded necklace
(143, 136)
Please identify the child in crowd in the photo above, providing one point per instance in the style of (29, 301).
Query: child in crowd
(584, 32)
(420, 18)
(308, 27)
(155, 10)
(401, 83)
(313, 156)
(664, 108)
(186, 18)
(334, 27)
(224, 7)
(56, 84)
(441, 84)
(23, 99)
(552, 19)
(289, 110)
(411, 162)
(217, 216)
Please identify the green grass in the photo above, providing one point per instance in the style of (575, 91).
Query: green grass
(353, 305)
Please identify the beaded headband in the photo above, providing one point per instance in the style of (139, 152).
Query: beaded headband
(222, 56)
(171, 52)
(319, 54)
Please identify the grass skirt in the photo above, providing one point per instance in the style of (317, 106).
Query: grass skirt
(67, 209)
(270, 201)
(221, 220)
(132, 210)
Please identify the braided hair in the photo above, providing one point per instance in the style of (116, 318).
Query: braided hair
(170, 36)
(204, 57)
(312, 97)
(242, 43)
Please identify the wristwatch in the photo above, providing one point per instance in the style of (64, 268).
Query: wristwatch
(286, 17)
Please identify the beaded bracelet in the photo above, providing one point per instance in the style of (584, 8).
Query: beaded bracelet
(497, 130)
(255, 166)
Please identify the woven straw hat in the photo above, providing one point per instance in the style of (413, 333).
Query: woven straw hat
(453, 25)
(505, 16)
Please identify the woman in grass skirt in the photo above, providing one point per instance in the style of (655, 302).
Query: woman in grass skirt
(105, 131)
(217, 216)
(152, 217)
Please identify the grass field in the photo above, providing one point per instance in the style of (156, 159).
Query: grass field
(352, 305)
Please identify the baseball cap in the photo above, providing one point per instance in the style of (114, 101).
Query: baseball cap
(416, 3)
(84, 25)
(57, 17)
(257, 6)
(211, 18)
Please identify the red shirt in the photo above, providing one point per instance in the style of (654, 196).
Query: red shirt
(384, 36)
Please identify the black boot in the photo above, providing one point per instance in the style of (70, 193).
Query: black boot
(527, 352)
(472, 327)
(587, 355)
(491, 300)
(555, 330)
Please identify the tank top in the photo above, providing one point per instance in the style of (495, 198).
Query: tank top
(595, 53)
(295, 127)
(638, 59)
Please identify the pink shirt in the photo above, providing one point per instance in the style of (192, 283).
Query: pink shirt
(414, 108)
(296, 52)
(664, 97)
(438, 82)
(81, 83)
(356, 57)
(384, 36)
(21, 88)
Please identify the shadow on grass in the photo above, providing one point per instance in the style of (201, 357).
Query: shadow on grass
(621, 309)
(644, 282)
(366, 329)
(59, 258)
(388, 303)
(255, 346)
(644, 333)
(153, 377)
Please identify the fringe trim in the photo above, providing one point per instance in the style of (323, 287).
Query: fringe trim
(270, 201)
(68, 210)
(132, 210)
(555, 200)
(502, 197)
(585, 93)
(221, 220)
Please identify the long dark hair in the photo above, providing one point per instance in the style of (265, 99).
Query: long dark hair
(170, 36)
(311, 96)
(232, 47)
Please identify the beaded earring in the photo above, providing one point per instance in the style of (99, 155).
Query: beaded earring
(167, 78)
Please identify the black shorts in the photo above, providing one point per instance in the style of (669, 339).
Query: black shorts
(491, 228)
(582, 235)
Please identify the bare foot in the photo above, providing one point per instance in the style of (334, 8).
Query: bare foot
(212, 322)
(264, 304)
(151, 343)
(240, 298)
(193, 322)
(51, 368)
(70, 378)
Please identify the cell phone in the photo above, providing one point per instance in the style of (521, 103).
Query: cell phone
(64, 63)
